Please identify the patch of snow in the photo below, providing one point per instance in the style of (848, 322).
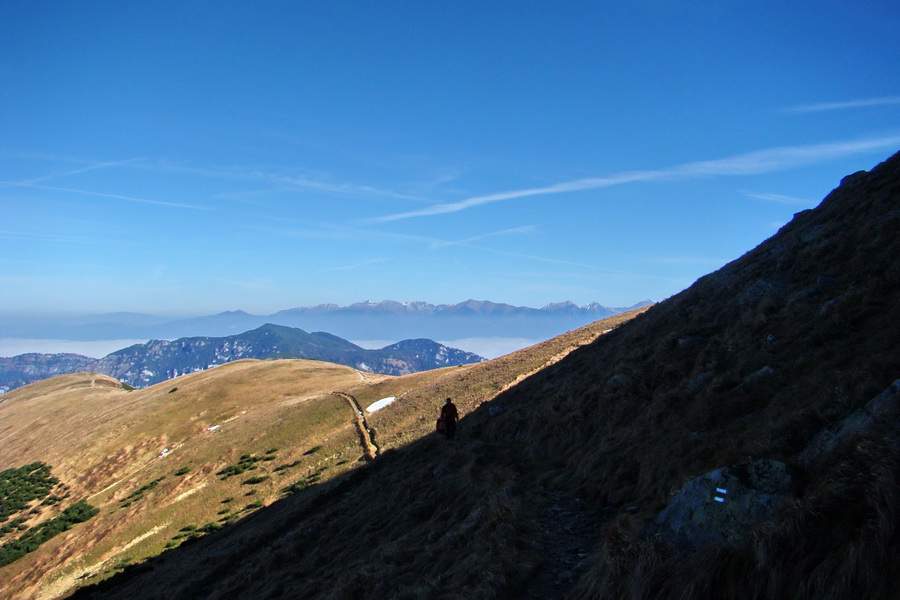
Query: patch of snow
(213, 428)
(378, 405)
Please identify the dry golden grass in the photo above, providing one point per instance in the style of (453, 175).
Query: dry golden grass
(750, 362)
(107, 443)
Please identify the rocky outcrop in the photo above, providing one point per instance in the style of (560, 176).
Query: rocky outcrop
(724, 506)
(880, 412)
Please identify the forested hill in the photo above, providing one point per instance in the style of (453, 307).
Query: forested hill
(158, 360)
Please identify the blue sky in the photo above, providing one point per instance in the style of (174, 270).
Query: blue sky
(193, 157)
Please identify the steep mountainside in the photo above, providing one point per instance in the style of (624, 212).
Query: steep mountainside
(768, 386)
(197, 454)
(158, 360)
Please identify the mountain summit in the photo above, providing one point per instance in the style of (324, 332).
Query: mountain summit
(146, 364)
(387, 320)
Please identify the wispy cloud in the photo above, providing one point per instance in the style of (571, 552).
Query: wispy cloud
(28, 236)
(779, 198)
(751, 163)
(553, 261)
(336, 188)
(570, 186)
(849, 104)
(687, 260)
(279, 181)
(103, 195)
(513, 231)
(91, 167)
(272, 179)
(360, 265)
(355, 233)
(254, 284)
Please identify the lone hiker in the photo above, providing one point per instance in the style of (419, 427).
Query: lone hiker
(449, 416)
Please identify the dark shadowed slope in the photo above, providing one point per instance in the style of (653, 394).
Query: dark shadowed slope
(776, 358)
(171, 462)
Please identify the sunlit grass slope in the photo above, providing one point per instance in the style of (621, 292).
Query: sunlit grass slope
(777, 356)
(121, 451)
(190, 455)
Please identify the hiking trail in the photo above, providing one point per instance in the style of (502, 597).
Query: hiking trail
(366, 435)
(567, 535)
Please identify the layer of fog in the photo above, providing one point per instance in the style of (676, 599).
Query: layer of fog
(487, 347)
(94, 349)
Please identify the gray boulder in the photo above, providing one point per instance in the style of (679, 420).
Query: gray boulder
(724, 506)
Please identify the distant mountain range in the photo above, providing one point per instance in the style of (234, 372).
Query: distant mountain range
(738, 440)
(386, 320)
(17, 371)
(143, 365)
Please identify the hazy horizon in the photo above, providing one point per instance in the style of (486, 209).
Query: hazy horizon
(193, 158)
(164, 316)
(486, 347)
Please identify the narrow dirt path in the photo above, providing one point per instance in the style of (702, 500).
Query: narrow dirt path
(366, 435)
(363, 376)
(568, 534)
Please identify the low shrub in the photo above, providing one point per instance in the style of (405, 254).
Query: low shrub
(29, 541)
(255, 480)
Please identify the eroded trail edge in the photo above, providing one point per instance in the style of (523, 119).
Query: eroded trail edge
(366, 435)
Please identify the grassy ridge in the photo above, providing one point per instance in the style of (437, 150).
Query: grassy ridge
(788, 346)
(184, 458)
(121, 448)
